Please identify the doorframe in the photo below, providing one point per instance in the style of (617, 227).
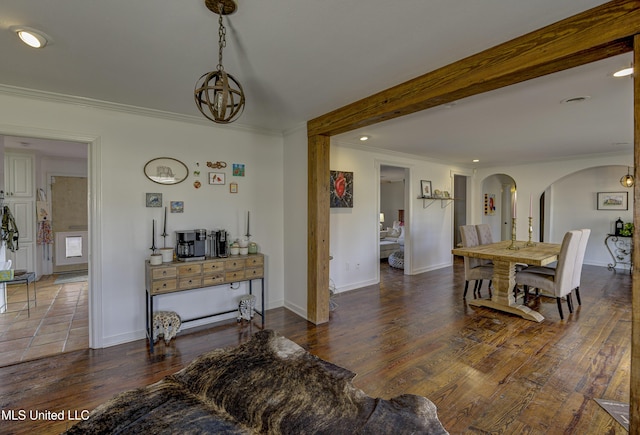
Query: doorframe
(94, 161)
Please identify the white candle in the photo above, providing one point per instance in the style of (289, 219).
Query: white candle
(514, 204)
(530, 205)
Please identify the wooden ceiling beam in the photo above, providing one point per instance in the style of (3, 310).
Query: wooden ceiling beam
(596, 34)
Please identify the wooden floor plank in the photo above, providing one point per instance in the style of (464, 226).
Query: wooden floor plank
(487, 371)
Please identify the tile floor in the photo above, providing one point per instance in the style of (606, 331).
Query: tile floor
(59, 322)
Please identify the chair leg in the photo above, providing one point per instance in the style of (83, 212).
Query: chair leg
(525, 295)
(570, 302)
(466, 287)
(476, 289)
(559, 301)
(490, 294)
(578, 295)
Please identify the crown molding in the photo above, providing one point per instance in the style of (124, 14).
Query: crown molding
(128, 109)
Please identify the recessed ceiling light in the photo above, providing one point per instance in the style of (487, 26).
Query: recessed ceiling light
(363, 138)
(475, 160)
(623, 72)
(32, 37)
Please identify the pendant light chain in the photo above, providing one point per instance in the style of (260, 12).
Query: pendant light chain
(222, 37)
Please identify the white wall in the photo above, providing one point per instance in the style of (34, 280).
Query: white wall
(571, 187)
(354, 236)
(295, 220)
(574, 206)
(121, 143)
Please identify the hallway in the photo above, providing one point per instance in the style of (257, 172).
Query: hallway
(59, 323)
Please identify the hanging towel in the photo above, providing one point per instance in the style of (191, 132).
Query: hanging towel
(45, 238)
(10, 233)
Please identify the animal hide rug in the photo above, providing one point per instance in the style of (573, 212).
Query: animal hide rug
(268, 385)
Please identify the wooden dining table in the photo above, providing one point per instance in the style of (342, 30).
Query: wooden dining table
(504, 261)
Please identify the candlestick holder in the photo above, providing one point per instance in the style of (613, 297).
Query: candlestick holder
(530, 243)
(513, 246)
(164, 231)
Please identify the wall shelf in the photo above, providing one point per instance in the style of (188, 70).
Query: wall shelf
(428, 201)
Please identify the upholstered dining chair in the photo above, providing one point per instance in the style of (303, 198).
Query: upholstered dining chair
(484, 234)
(558, 282)
(474, 270)
(577, 271)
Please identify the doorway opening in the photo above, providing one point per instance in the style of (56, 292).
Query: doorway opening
(56, 318)
(393, 194)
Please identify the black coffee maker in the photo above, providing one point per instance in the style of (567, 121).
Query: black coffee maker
(219, 246)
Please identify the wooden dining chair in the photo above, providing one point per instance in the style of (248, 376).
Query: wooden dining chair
(558, 282)
(474, 270)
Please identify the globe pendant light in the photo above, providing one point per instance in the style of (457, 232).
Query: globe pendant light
(627, 180)
(218, 95)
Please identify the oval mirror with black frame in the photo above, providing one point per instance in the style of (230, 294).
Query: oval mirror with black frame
(165, 170)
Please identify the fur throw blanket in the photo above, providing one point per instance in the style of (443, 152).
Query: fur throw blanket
(268, 385)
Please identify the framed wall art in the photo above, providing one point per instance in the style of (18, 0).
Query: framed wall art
(341, 189)
(238, 170)
(425, 189)
(613, 201)
(165, 170)
(489, 204)
(216, 178)
(177, 206)
(154, 200)
(233, 187)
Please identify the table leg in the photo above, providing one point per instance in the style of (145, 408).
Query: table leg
(504, 274)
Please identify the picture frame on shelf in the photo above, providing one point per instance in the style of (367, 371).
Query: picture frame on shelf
(425, 189)
(612, 201)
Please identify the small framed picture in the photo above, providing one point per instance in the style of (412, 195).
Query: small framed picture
(238, 170)
(233, 187)
(425, 189)
(177, 206)
(154, 200)
(216, 178)
(613, 201)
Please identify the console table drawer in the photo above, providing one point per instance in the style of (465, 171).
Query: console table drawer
(193, 282)
(212, 266)
(235, 276)
(235, 264)
(216, 279)
(163, 272)
(255, 261)
(163, 286)
(190, 269)
(256, 272)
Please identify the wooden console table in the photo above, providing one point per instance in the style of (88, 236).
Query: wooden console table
(180, 276)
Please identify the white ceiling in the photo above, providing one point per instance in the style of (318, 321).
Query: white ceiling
(300, 59)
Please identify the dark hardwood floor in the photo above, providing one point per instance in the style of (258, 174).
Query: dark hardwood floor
(487, 372)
